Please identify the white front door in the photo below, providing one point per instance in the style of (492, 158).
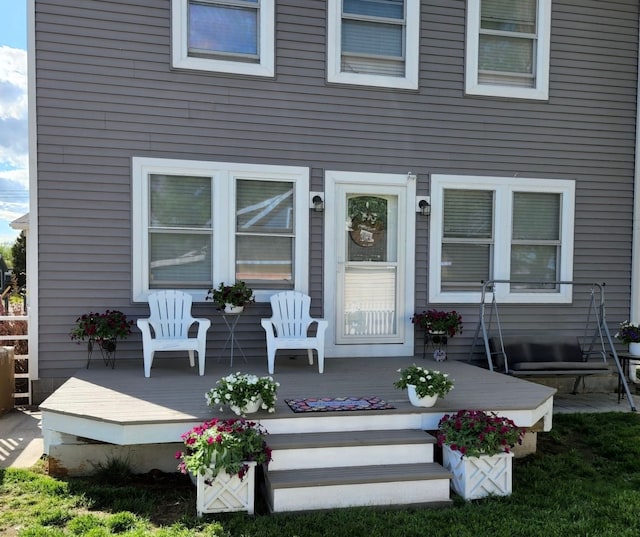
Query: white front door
(369, 264)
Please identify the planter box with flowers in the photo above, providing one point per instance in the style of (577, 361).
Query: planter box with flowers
(221, 455)
(103, 329)
(437, 327)
(476, 449)
(423, 385)
(231, 298)
(244, 393)
(629, 333)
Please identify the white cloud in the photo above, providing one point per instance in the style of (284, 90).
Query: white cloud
(14, 143)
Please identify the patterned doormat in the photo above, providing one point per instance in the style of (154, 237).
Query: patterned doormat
(337, 404)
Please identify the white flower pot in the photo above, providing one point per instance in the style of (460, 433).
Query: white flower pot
(634, 349)
(477, 477)
(415, 400)
(225, 493)
(233, 310)
(250, 408)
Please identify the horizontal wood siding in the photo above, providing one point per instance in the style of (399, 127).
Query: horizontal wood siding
(106, 92)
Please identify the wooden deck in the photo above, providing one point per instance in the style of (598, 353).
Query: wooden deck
(122, 407)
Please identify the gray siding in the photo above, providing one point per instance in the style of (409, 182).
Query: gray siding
(106, 92)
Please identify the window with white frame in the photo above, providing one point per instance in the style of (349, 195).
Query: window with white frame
(508, 45)
(197, 224)
(374, 42)
(492, 228)
(231, 36)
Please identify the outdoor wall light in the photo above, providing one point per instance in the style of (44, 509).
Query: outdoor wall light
(423, 205)
(317, 202)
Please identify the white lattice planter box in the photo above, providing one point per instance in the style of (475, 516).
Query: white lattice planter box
(226, 493)
(477, 477)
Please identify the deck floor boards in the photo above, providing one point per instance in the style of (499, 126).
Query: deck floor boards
(175, 392)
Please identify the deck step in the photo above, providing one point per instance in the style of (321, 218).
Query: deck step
(349, 448)
(335, 487)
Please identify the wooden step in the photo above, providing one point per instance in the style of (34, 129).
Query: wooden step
(349, 448)
(335, 487)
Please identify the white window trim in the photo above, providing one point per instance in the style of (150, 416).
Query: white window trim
(412, 46)
(504, 188)
(541, 89)
(180, 50)
(224, 176)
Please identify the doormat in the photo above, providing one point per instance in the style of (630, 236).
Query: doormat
(337, 404)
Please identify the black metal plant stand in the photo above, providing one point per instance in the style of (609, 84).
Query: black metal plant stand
(436, 341)
(107, 348)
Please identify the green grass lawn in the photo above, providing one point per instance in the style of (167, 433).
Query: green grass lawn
(583, 481)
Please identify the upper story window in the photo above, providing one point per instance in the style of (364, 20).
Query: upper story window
(374, 42)
(231, 36)
(492, 228)
(508, 44)
(196, 224)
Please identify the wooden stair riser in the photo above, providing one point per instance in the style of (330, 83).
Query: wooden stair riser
(354, 495)
(350, 421)
(327, 488)
(288, 459)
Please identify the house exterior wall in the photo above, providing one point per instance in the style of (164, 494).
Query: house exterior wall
(106, 92)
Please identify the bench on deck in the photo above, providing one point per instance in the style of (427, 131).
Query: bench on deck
(545, 356)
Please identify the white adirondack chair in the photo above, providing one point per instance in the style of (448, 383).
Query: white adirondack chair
(167, 329)
(288, 327)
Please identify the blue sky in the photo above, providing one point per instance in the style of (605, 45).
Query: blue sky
(14, 177)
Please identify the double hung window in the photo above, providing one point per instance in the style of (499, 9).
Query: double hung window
(484, 228)
(197, 224)
(374, 42)
(233, 36)
(508, 48)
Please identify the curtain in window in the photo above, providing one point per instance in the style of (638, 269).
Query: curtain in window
(467, 242)
(265, 233)
(535, 247)
(507, 42)
(223, 28)
(373, 35)
(180, 231)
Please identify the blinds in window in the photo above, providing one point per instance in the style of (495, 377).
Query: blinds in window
(535, 247)
(507, 42)
(373, 36)
(180, 231)
(265, 233)
(467, 241)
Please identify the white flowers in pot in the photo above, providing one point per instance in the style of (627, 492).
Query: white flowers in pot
(244, 393)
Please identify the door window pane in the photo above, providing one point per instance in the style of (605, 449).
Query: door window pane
(367, 230)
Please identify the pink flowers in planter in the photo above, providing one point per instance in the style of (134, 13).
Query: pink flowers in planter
(474, 433)
(227, 445)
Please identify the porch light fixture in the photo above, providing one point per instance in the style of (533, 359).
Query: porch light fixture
(423, 206)
(316, 201)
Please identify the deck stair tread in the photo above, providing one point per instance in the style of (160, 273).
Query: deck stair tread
(349, 438)
(321, 477)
